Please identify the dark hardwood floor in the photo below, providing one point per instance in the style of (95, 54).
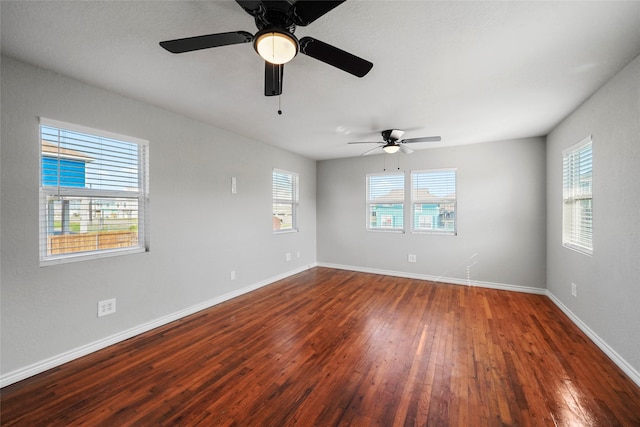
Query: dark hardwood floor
(329, 347)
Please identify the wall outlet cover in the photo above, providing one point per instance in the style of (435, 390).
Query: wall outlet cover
(106, 307)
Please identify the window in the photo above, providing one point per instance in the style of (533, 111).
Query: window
(577, 207)
(433, 201)
(93, 193)
(285, 201)
(385, 201)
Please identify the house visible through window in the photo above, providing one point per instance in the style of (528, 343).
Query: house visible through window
(385, 201)
(93, 193)
(285, 201)
(433, 201)
(577, 207)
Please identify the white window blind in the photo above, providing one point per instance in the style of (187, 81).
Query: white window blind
(285, 201)
(385, 201)
(577, 209)
(433, 201)
(93, 193)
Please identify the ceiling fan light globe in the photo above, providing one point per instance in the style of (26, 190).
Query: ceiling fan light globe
(276, 47)
(391, 149)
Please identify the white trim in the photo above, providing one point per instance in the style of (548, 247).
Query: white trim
(584, 141)
(51, 362)
(92, 131)
(84, 256)
(610, 352)
(439, 279)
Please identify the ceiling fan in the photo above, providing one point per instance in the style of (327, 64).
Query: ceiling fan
(275, 43)
(392, 142)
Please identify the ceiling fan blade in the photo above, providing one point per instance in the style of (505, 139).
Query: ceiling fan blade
(333, 56)
(307, 11)
(423, 139)
(366, 153)
(405, 149)
(364, 142)
(190, 44)
(273, 74)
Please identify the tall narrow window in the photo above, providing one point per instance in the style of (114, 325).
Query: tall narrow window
(385, 201)
(285, 201)
(93, 193)
(577, 207)
(433, 201)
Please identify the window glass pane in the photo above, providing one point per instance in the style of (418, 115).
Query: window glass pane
(74, 159)
(577, 174)
(386, 216)
(285, 201)
(385, 201)
(76, 224)
(433, 197)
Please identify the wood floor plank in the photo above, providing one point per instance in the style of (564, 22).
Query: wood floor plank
(335, 348)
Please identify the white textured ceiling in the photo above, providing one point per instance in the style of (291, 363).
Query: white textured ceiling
(470, 71)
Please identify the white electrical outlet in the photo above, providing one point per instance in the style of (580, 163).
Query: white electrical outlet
(233, 275)
(107, 306)
(298, 254)
(287, 256)
(411, 258)
(574, 289)
(234, 187)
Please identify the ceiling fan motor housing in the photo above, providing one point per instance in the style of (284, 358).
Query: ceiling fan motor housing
(392, 135)
(274, 17)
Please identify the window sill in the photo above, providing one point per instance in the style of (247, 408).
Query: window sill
(285, 231)
(441, 233)
(65, 259)
(579, 249)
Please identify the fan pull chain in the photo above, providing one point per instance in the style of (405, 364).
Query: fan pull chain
(279, 105)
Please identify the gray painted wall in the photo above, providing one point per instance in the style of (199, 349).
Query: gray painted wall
(501, 215)
(199, 231)
(608, 283)
(509, 195)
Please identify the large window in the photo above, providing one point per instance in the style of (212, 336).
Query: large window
(433, 201)
(577, 208)
(385, 201)
(285, 201)
(93, 193)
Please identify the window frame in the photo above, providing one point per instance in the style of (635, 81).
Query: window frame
(392, 201)
(294, 201)
(45, 191)
(573, 229)
(439, 200)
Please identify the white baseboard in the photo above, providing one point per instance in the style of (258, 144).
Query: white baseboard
(611, 353)
(441, 279)
(52, 362)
